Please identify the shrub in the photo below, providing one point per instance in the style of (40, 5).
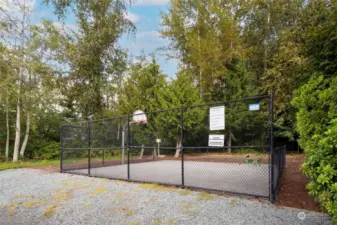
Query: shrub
(40, 149)
(316, 102)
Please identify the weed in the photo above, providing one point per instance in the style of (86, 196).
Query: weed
(233, 202)
(254, 162)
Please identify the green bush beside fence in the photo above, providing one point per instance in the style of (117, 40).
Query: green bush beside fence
(316, 102)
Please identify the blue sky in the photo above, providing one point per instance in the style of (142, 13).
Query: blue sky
(145, 14)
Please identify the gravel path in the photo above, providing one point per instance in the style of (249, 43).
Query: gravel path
(30, 196)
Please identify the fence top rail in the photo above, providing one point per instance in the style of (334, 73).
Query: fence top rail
(259, 97)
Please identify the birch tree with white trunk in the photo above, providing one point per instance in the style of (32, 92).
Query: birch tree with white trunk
(16, 15)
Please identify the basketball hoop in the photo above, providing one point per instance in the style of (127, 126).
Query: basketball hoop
(139, 117)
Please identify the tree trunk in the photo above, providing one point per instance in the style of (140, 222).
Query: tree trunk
(178, 149)
(18, 104)
(154, 152)
(199, 52)
(266, 39)
(17, 130)
(25, 140)
(7, 124)
(141, 152)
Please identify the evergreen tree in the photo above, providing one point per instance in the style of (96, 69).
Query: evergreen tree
(180, 92)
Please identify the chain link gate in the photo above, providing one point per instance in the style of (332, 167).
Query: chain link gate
(223, 146)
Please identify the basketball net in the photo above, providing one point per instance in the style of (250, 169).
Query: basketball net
(139, 117)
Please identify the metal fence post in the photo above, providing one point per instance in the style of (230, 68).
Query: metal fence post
(61, 160)
(61, 150)
(284, 157)
(182, 146)
(271, 145)
(280, 166)
(89, 146)
(128, 149)
(103, 156)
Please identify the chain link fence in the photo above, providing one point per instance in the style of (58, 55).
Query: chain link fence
(224, 146)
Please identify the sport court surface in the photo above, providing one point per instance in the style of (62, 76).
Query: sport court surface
(231, 177)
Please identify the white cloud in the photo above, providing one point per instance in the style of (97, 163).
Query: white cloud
(132, 17)
(148, 34)
(151, 2)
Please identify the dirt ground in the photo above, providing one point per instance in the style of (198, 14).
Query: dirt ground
(292, 192)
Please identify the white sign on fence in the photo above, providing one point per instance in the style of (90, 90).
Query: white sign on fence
(217, 118)
(216, 140)
(254, 107)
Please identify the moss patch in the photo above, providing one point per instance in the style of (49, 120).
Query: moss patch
(87, 206)
(62, 196)
(11, 211)
(97, 191)
(133, 223)
(23, 196)
(50, 211)
(185, 192)
(187, 208)
(156, 222)
(205, 196)
(156, 187)
(119, 196)
(29, 205)
(171, 222)
(129, 212)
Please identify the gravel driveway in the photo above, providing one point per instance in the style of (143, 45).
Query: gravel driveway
(30, 196)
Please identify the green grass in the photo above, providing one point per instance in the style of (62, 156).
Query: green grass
(248, 151)
(22, 164)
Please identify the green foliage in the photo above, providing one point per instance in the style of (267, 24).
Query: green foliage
(41, 149)
(92, 53)
(141, 88)
(180, 92)
(316, 102)
(205, 36)
(320, 35)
